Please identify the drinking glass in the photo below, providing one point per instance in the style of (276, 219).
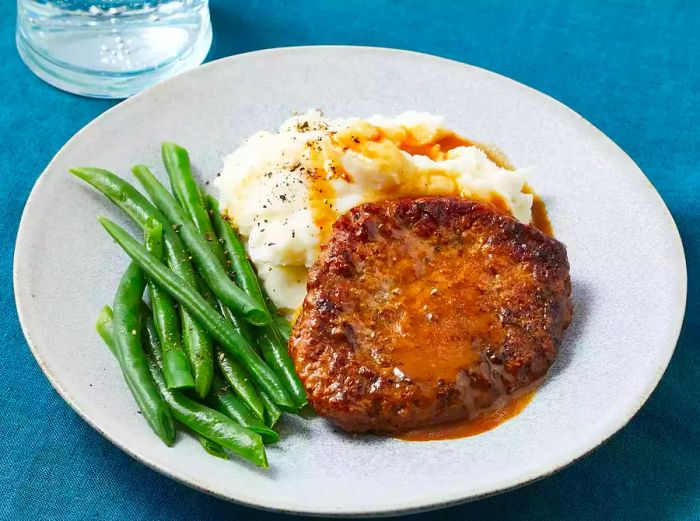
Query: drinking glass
(111, 48)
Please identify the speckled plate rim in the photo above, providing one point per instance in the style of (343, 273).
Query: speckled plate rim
(406, 507)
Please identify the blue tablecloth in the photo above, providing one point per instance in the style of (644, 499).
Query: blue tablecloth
(631, 68)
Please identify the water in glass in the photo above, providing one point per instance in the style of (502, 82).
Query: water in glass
(111, 48)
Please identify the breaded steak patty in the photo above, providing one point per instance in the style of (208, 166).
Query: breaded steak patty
(421, 311)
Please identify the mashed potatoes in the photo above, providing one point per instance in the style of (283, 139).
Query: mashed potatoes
(284, 190)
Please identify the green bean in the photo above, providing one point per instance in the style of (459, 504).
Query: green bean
(241, 327)
(275, 354)
(270, 341)
(205, 226)
(209, 266)
(176, 365)
(283, 326)
(211, 447)
(272, 412)
(203, 352)
(105, 324)
(121, 193)
(225, 402)
(185, 189)
(105, 327)
(234, 373)
(242, 269)
(240, 265)
(130, 355)
(209, 423)
(215, 324)
(240, 383)
(200, 348)
(196, 341)
(215, 426)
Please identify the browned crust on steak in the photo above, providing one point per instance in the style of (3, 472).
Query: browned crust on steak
(421, 311)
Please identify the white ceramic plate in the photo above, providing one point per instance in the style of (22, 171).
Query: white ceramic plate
(627, 267)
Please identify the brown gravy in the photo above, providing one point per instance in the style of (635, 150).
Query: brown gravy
(540, 219)
(490, 420)
(464, 428)
(453, 306)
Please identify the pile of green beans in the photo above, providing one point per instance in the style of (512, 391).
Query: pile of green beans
(209, 354)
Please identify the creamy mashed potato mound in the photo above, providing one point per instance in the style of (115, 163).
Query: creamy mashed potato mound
(285, 190)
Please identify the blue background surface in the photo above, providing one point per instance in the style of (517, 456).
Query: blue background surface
(631, 68)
